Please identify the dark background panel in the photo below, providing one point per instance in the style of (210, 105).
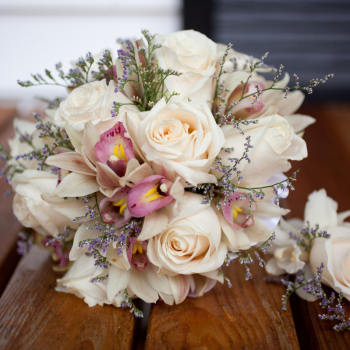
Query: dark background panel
(309, 37)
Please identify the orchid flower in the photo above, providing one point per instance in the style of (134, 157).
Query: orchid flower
(114, 210)
(106, 163)
(152, 193)
(137, 254)
(242, 231)
(267, 99)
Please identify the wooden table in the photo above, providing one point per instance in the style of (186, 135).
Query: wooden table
(247, 316)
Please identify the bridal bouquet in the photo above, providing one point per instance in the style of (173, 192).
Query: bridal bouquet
(159, 167)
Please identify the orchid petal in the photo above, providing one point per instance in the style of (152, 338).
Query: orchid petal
(138, 174)
(153, 224)
(75, 137)
(106, 177)
(141, 287)
(76, 185)
(145, 197)
(71, 161)
(180, 286)
(82, 233)
(91, 137)
(117, 281)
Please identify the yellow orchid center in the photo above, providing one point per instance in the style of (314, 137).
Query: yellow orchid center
(293, 257)
(119, 152)
(121, 204)
(137, 248)
(235, 210)
(152, 194)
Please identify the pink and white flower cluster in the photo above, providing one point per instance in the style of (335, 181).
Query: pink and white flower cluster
(135, 183)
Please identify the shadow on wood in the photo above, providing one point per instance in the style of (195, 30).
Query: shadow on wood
(248, 315)
(34, 316)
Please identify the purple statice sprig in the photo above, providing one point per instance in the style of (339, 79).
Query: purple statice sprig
(51, 103)
(58, 138)
(76, 76)
(226, 279)
(129, 303)
(85, 66)
(92, 211)
(228, 117)
(309, 234)
(313, 286)
(219, 88)
(98, 246)
(100, 260)
(63, 238)
(12, 167)
(106, 69)
(147, 78)
(228, 170)
(246, 258)
(25, 242)
(99, 279)
(335, 313)
(224, 187)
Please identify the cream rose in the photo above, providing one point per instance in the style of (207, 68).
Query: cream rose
(188, 243)
(29, 207)
(335, 251)
(77, 281)
(91, 102)
(182, 136)
(192, 54)
(274, 144)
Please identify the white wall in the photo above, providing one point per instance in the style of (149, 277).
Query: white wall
(36, 34)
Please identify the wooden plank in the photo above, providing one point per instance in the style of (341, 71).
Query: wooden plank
(9, 225)
(246, 316)
(328, 166)
(34, 316)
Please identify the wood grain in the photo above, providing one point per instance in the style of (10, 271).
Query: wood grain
(246, 316)
(34, 316)
(327, 166)
(9, 227)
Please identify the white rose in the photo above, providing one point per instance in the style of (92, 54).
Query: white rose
(91, 102)
(188, 243)
(29, 207)
(274, 143)
(335, 251)
(77, 281)
(181, 135)
(192, 54)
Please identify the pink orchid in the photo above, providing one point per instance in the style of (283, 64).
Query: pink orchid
(149, 194)
(246, 103)
(104, 162)
(62, 257)
(137, 254)
(114, 210)
(61, 174)
(236, 210)
(115, 149)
